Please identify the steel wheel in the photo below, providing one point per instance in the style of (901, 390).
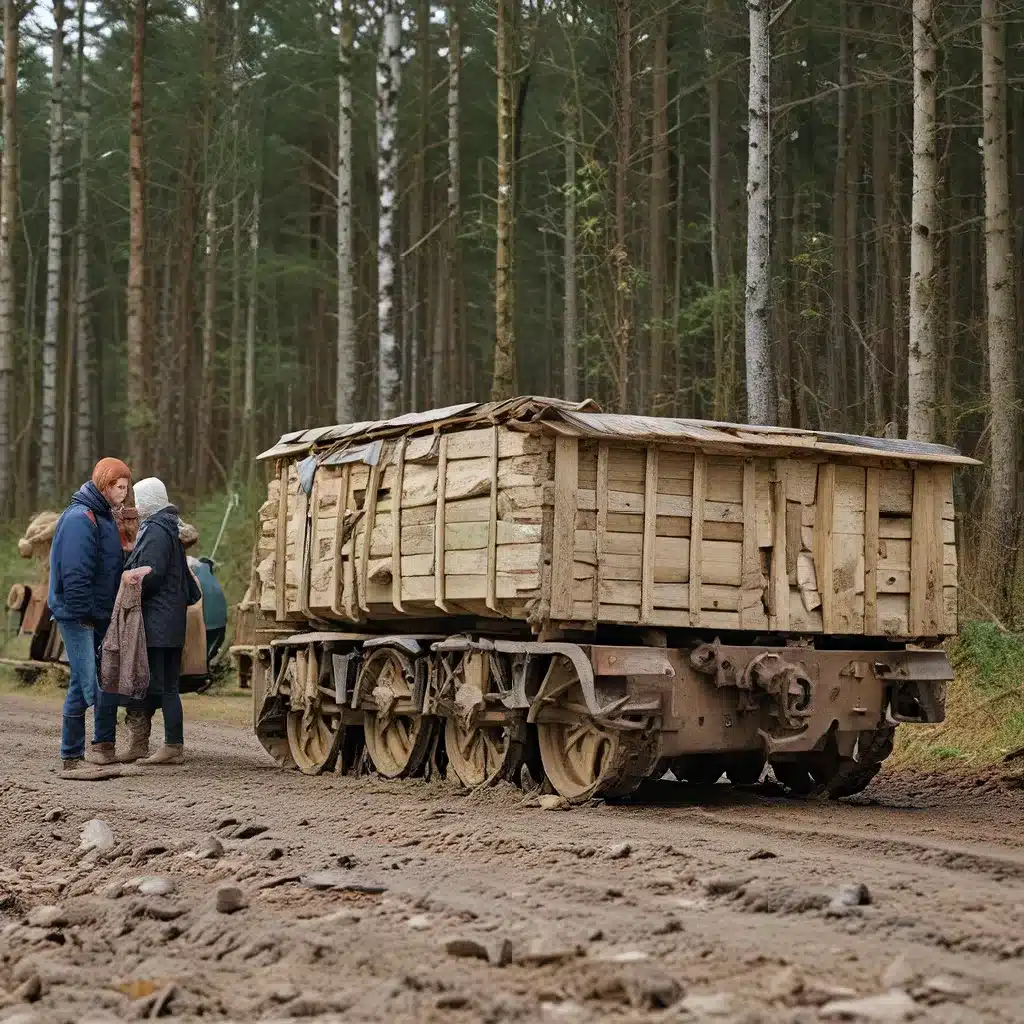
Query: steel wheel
(314, 735)
(397, 736)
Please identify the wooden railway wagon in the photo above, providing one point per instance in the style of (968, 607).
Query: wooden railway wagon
(601, 596)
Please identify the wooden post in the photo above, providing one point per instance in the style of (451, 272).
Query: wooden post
(340, 599)
(871, 552)
(439, 533)
(700, 486)
(492, 528)
(564, 536)
(370, 504)
(779, 596)
(281, 563)
(824, 555)
(601, 525)
(396, 529)
(650, 532)
(750, 572)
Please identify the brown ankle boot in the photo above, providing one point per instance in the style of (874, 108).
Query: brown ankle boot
(138, 724)
(101, 753)
(169, 753)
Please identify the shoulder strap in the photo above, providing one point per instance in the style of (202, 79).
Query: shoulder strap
(91, 516)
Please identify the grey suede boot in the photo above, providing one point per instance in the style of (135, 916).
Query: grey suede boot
(100, 753)
(169, 753)
(138, 724)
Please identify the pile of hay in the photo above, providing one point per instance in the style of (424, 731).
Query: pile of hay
(36, 542)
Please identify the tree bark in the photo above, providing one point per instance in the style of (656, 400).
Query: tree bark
(54, 254)
(659, 211)
(249, 376)
(715, 210)
(760, 377)
(446, 357)
(570, 359)
(139, 421)
(1001, 524)
(389, 69)
(503, 384)
(8, 229)
(345, 381)
(622, 325)
(837, 356)
(921, 350)
(84, 442)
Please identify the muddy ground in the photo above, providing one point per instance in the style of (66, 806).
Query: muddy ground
(434, 905)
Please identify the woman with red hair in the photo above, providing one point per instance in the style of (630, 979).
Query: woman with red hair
(85, 572)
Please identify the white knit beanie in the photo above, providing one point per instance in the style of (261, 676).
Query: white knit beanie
(150, 496)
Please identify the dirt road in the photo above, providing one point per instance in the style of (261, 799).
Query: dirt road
(711, 904)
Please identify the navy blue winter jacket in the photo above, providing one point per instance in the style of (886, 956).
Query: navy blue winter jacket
(85, 560)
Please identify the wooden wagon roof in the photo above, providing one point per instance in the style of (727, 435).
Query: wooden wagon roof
(585, 420)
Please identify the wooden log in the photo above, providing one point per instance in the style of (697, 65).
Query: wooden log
(563, 536)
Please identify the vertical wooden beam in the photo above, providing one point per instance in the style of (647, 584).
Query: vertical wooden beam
(307, 531)
(824, 553)
(370, 505)
(340, 598)
(281, 558)
(871, 482)
(439, 514)
(700, 488)
(350, 586)
(564, 535)
(601, 526)
(396, 529)
(926, 555)
(750, 569)
(492, 528)
(650, 532)
(778, 603)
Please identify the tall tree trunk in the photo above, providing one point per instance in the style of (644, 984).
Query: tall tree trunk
(84, 442)
(139, 422)
(8, 228)
(570, 358)
(204, 440)
(235, 340)
(249, 377)
(715, 209)
(345, 381)
(446, 352)
(503, 384)
(415, 297)
(921, 351)
(389, 69)
(1001, 524)
(622, 324)
(54, 254)
(836, 354)
(658, 212)
(760, 378)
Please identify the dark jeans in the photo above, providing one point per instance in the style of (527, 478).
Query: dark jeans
(164, 669)
(82, 644)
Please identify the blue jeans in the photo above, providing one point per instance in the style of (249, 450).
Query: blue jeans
(82, 644)
(164, 693)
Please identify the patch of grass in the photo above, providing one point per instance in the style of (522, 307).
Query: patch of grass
(984, 704)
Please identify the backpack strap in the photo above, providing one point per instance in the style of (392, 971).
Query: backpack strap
(91, 516)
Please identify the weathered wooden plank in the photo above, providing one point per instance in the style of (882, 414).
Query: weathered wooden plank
(564, 533)
(778, 597)
(281, 563)
(700, 468)
(601, 525)
(824, 556)
(926, 555)
(396, 532)
(750, 583)
(650, 526)
(871, 524)
(492, 527)
(307, 527)
(370, 505)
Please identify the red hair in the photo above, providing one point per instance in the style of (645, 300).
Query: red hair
(108, 472)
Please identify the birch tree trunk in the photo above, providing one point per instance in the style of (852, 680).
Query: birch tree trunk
(659, 211)
(344, 390)
(84, 444)
(8, 228)
(138, 418)
(1001, 525)
(249, 376)
(760, 374)
(503, 383)
(622, 305)
(445, 360)
(570, 360)
(715, 208)
(921, 350)
(389, 68)
(54, 254)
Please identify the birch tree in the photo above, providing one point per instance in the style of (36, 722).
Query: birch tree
(84, 447)
(54, 253)
(346, 346)
(1001, 527)
(389, 69)
(760, 374)
(921, 350)
(8, 228)
(138, 418)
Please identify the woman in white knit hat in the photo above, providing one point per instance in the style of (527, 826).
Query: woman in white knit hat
(167, 591)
